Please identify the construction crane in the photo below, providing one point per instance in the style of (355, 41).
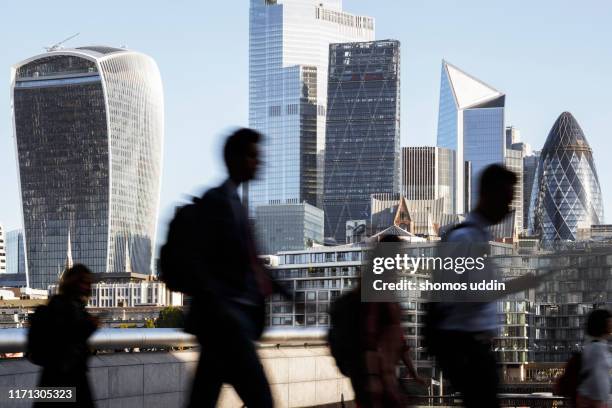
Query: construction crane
(58, 45)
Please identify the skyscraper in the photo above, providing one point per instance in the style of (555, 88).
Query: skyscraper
(88, 125)
(2, 250)
(15, 254)
(428, 174)
(288, 57)
(471, 122)
(566, 194)
(530, 164)
(513, 160)
(288, 227)
(362, 147)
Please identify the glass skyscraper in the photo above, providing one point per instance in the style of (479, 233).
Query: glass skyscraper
(288, 227)
(88, 125)
(566, 195)
(3, 245)
(530, 164)
(288, 57)
(471, 122)
(362, 148)
(15, 254)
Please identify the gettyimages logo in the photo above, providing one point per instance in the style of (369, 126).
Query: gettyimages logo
(447, 272)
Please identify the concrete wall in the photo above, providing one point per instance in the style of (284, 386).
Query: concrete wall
(299, 377)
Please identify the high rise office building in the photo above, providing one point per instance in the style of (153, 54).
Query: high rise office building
(566, 195)
(471, 122)
(428, 174)
(513, 135)
(288, 58)
(288, 227)
(88, 125)
(513, 160)
(530, 164)
(2, 250)
(362, 148)
(15, 254)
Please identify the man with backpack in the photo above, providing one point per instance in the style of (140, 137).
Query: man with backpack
(211, 255)
(460, 331)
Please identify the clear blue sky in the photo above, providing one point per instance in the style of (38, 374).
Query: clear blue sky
(547, 56)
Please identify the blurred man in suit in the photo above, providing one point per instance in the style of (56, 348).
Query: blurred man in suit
(227, 310)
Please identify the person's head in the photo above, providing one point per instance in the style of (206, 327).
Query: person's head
(496, 191)
(599, 323)
(76, 282)
(390, 238)
(241, 154)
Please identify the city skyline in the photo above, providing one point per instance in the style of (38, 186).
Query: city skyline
(420, 77)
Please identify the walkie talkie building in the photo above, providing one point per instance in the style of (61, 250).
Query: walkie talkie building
(88, 127)
(566, 194)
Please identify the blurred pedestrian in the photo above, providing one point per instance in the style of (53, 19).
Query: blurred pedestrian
(460, 330)
(231, 283)
(371, 361)
(596, 362)
(58, 335)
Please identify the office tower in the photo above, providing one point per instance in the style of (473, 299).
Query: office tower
(530, 164)
(88, 126)
(15, 254)
(513, 135)
(513, 160)
(288, 227)
(362, 147)
(428, 174)
(566, 194)
(288, 57)
(3, 245)
(471, 122)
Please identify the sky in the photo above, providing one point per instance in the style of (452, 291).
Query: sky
(547, 56)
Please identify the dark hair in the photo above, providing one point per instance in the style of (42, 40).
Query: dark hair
(390, 238)
(597, 322)
(237, 144)
(495, 177)
(71, 279)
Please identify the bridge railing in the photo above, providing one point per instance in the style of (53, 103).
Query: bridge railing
(15, 340)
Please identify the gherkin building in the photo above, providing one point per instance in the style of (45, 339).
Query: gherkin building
(566, 195)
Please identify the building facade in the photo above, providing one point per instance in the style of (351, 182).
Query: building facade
(513, 160)
(470, 122)
(88, 125)
(15, 253)
(362, 147)
(3, 248)
(566, 195)
(288, 61)
(288, 227)
(129, 294)
(530, 164)
(428, 174)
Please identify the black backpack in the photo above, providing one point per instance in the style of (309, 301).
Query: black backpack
(178, 257)
(567, 383)
(40, 345)
(344, 333)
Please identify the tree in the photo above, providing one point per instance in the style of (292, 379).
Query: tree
(170, 316)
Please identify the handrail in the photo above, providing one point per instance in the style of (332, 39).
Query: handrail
(15, 340)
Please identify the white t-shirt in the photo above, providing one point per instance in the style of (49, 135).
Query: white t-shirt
(595, 369)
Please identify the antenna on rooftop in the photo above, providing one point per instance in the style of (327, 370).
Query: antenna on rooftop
(58, 45)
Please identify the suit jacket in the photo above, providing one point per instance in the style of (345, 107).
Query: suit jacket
(223, 249)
